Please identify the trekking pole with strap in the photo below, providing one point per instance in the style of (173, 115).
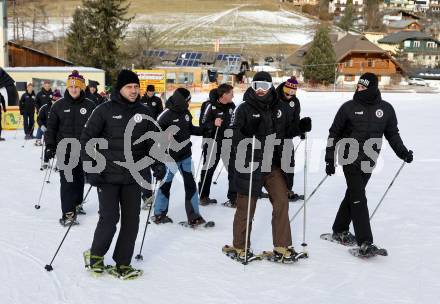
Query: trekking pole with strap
(304, 244)
(37, 205)
(389, 187)
(218, 175)
(249, 203)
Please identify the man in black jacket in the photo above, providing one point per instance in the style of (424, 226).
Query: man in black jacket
(216, 119)
(117, 188)
(287, 93)
(177, 116)
(44, 96)
(262, 115)
(92, 92)
(66, 121)
(154, 105)
(2, 108)
(27, 110)
(43, 116)
(362, 122)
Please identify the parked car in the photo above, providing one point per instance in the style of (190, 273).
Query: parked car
(417, 81)
(268, 59)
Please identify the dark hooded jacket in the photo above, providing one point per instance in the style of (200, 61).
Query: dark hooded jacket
(177, 114)
(260, 118)
(216, 110)
(213, 96)
(95, 97)
(365, 117)
(154, 104)
(109, 121)
(43, 114)
(27, 103)
(43, 97)
(294, 108)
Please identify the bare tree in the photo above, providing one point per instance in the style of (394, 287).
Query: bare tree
(143, 41)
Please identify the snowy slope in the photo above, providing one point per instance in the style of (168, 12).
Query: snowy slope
(185, 266)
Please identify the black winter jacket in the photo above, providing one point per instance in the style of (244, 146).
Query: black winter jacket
(95, 97)
(43, 114)
(67, 118)
(154, 104)
(294, 108)
(177, 114)
(362, 121)
(27, 103)
(216, 110)
(254, 117)
(109, 121)
(42, 98)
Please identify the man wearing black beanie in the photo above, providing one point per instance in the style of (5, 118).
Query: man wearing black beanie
(363, 120)
(117, 188)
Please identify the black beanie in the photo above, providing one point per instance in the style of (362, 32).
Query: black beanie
(184, 92)
(262, 76)
(151, 88)
(125, 77)
(369, 80)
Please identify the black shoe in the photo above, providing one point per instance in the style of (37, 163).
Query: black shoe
(161, 219)
(196, 222)
(344, 237)
(293, 197)
(230, 204)
(69, 218)
(80, 210)
(205, 201)
(368, 249)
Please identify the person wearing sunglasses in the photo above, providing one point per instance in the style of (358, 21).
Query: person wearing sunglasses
(287, 94)
(261, 115)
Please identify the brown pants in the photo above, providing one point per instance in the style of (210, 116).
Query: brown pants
(275, 184)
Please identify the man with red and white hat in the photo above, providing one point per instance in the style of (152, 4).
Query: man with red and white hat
(66, 120)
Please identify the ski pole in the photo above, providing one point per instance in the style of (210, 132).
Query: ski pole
(209, 162)
(304, 244)
(37, 206)
(249, 203)
(50, 172)
(87, 194)
(383, 196)
(140, 257)
(218, 175)
(299, 144)
(200, 162)
(42, 156)
(310, 196)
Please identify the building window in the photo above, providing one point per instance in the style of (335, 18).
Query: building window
(185, 78)
(416, 44)
(349, 78)
(431, 44)
(370, 63)
(407, 44)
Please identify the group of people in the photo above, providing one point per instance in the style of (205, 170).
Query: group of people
(227, 133)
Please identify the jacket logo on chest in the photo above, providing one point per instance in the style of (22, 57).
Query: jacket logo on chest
(256, 115)
(67, 111)
(187, 117)
(379, 113)
(279, 114)
(231, 111)
(176, 120)
(291, 104)
(359, 113)
(83, 111)
(117, 116)
(138, 118)
(153, 103)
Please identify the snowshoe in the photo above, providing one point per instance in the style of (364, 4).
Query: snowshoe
(198, 222)
(239, 254)
(161, 219)
(344, 238)
(205, 201)
(93, 263)
(38, 143)
(124, 272)
(68, 219)
(368, 250)
(80, 210)
(147, 203)
(293, 197)
(230, 204)
(283, 255)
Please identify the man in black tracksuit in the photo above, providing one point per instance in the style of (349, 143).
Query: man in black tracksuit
(367, 117)
(177, 116)
(154, 105)
(67, 118)
(287, 93)
(2, 108)
(216, 119)
(262, 115)
(27, 110)
(44, 96)
(92, 93)
(117, 188)
(212, 97)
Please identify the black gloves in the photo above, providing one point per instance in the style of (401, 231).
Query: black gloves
(305, 124)
(330, 168)
(159, 171)
(49, 153)
(94, 179)
(408, 157)
(302, 136)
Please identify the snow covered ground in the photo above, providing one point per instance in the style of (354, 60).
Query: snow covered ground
(186, 266)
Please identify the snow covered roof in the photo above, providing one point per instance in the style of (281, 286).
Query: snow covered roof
(401, 24)
(53, 69)
(429, 74)
(399, 37)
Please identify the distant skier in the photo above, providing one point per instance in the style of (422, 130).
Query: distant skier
(217, 115)
(27, 110)
(2, 108)
(363, 118)
(118, 191)
(67, 118)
